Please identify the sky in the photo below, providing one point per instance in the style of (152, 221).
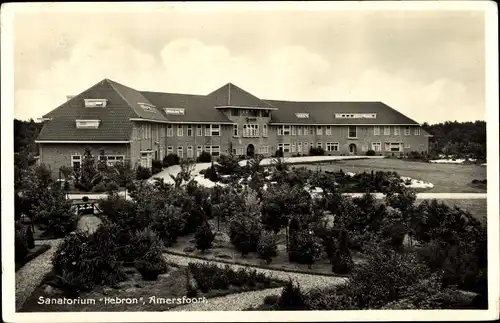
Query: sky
(429, 65)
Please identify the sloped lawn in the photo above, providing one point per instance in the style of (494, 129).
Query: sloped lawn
(447, 178)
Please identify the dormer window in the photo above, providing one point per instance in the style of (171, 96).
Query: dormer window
(302, 115)
(356, 115)
(96, 103)
(147, 107)
(174, 111)
(87, 124)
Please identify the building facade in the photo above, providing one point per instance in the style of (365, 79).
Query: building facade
(141, 126)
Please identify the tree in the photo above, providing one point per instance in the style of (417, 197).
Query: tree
(244, 226)
(204, 237)
(55, 212)
(267, 248)
(341, 259)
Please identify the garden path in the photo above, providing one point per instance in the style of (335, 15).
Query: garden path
(244, 300)
(31, 274)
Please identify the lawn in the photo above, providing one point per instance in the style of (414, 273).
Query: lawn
(223, 250)
(447, 178)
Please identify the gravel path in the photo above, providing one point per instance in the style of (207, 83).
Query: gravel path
(31, 274)
(242, 301)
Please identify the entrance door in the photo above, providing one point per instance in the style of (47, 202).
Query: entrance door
(352, 149)
(250, 150)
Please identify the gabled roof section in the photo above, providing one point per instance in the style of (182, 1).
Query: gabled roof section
(114, 119)
(231, 95)
(324, 113)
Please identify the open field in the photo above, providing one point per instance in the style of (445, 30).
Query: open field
(447, 178)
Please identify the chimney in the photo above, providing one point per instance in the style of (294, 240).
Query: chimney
(69, 97)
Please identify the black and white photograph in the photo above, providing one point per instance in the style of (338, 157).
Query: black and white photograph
(250, 161)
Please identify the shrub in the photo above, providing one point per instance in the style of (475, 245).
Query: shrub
(170, 160)
(55, 213)
(385, 277)
(370, 153)
(20, 245)
(228, 165)
(204, 157)
(204, 237)
(142, 173)
(244, 226)
(304, 248)
(267, 246)
(157, 166)
(291, 298)
(151, 263)
(115, 208)
(168, 223)
(341, 259)
(211, 174)
(278, 153)
(30, 240)
(85, 260)
(316, 151)
(144, 240)
(271, 299)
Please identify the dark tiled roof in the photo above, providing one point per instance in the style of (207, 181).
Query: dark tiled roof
(231, 95)
(123, 104)
(324, 112)
(115, 124)
(195, 107)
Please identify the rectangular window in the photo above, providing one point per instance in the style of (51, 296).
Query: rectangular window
(299, 147)
(332, 146)
(95, 103)
(319, 130)
(396, 146)
(376, 131)
(189, 130)
(215, 130)
(190, 151)
(407, 146)
(199, 149)
(207, 131)
(199, 130)
(319, 144)
(407, 130)
(170, 130)
(170, 150)
(76, 162)
(306, 148)
(280, 130)
(174, 111)
(284, 147)
(180, 152)
(87, 124)
(235, 112)
(387, 131)
(293, 147)
(311, 130)
(353, 133)
(294, 130)
(235, 130)
(286, 130)
(376, 146)
(328, 131)
(215, 151)
(162, 132)
(299, 131)
(397, 131)
(251, 130)
(387, 146)
(264, 130)
(180, 130)
(264, 149)
(417, 131)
